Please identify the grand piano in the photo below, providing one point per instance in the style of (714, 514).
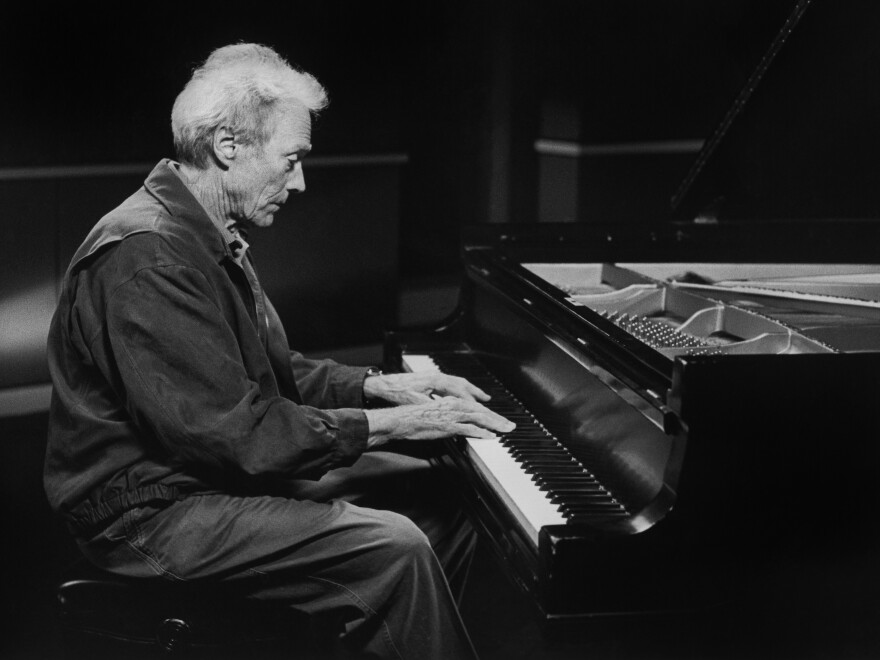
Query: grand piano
(697, 397)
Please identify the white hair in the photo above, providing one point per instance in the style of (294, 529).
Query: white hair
(239, 86)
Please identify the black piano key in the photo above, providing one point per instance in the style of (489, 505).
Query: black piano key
(533, 459)
(536, 441)
(582, 506)
(572, 488)
(595, 517)
(536, 444)
(538, 469)
(558, 471)
(583, 499)
(559, 485)
(565, 476)
(568, 510)
(547, 449)
(546, 462)
(535, 452)
(565, 485)
(580, 497)
(551, 451)
(525, 449)
(525, 455)
(531, 467)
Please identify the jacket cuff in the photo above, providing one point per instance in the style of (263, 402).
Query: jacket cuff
(351, 437)
(348, 386)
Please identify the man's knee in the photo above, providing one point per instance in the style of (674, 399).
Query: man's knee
(400, 536)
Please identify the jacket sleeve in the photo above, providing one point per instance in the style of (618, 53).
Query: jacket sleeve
(328, 384)
(184, 382)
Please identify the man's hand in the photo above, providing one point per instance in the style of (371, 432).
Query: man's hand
(439, 418)
(418, 387)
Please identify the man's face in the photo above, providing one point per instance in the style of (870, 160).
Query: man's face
(262, 177)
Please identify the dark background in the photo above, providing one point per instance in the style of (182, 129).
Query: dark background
(438, 113)
(462, 88)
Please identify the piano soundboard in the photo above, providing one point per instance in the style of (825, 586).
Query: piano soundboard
(728, 309)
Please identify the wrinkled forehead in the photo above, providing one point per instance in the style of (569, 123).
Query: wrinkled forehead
(291, 124)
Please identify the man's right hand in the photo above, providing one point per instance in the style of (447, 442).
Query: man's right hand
(440, 418)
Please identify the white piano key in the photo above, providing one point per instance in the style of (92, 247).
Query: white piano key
(419, 363)
(529, 504)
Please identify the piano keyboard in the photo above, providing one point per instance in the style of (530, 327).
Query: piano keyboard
(538, 479)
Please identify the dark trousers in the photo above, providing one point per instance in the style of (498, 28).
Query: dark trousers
(365, 547)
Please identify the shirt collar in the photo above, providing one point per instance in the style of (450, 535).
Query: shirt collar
(236, 240)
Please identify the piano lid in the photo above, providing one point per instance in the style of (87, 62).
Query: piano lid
(802, 139)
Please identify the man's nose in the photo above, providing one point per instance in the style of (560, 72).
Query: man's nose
(296, 181)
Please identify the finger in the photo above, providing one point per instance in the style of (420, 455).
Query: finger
(472, 431)
(476, 393)
(460, 388)
(467, 390)
(491, 421)
(501, 425)
(467, 405)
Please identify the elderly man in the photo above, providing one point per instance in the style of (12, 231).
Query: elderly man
(183, 428)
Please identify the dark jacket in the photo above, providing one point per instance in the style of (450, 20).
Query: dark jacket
(172, 373)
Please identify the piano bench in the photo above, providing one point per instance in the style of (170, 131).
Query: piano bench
(104, 616)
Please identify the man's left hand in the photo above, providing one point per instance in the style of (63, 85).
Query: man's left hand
(419, 387)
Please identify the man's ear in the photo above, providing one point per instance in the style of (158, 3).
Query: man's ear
(225, 146)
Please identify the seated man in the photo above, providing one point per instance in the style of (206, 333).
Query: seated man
(183, 430)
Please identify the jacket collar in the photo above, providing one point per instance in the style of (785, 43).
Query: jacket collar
(165, 184)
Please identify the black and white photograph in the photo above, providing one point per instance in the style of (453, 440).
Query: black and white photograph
(421, 330)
